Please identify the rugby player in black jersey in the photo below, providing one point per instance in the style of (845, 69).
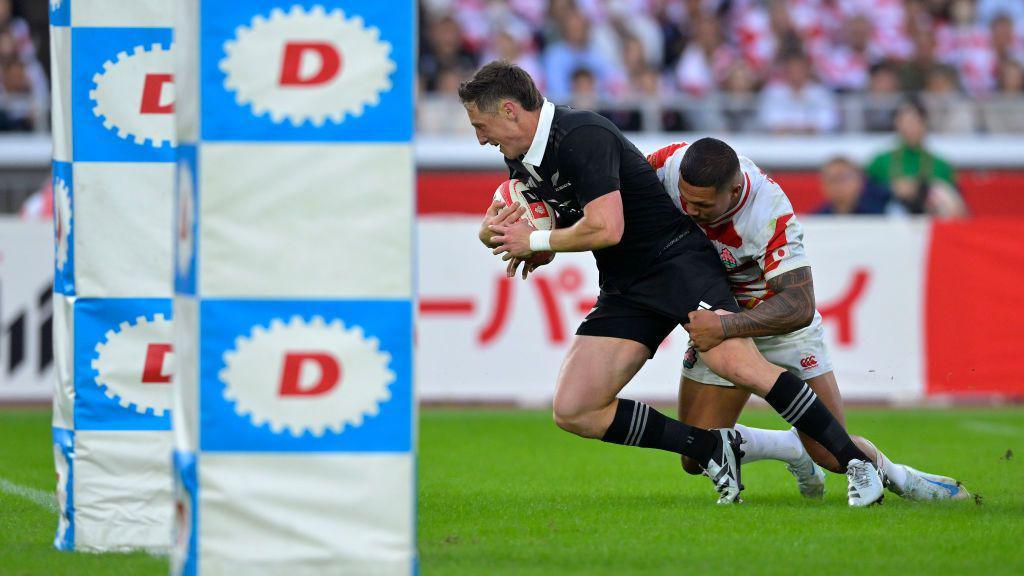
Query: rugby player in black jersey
(655, 268)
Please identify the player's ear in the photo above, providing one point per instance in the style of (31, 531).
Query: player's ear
(508, 109)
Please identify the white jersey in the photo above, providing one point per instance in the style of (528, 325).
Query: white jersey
(757, 240)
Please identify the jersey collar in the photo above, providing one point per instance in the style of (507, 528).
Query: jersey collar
(744, 196)
(535, 155)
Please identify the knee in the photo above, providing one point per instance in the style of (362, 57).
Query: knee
(691, 466)
(565, 420)
(570, 417)
(721, 362)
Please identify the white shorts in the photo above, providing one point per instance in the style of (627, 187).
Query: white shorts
(802, 352)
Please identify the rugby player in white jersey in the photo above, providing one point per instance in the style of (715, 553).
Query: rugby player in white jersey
(751, 223)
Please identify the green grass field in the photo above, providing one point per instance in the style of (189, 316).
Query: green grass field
(505, 492)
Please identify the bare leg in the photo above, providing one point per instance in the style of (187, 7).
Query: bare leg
(739, 361)
(593, 372)
(586, 403)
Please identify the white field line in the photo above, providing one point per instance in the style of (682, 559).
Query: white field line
(34, 495)
(49, 501)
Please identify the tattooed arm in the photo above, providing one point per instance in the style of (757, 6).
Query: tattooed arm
(791, 308)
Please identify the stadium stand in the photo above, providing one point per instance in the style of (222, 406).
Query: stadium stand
(789, 66)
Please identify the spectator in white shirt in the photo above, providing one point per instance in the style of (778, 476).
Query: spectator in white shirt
(1001, 113)
(797, 104)
(706, 59)
(948, 111)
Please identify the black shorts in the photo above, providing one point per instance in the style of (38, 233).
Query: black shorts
(662, 298)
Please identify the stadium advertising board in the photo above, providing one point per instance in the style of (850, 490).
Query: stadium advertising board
(26, 311)
(885, 289)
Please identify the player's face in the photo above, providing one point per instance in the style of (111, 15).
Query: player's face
(705, 204)
(498, 128)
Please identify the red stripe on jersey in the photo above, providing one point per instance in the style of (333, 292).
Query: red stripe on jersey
(775, 251)
(724, 233)
(659, 157)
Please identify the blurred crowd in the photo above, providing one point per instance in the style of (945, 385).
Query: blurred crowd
(908, 179)
(24, 88)
(783, 66)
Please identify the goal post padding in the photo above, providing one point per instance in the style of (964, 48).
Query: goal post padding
(113, 174)
(294, 406)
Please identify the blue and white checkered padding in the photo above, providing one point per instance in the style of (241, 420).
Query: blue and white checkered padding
(294, 405)
(113, 180)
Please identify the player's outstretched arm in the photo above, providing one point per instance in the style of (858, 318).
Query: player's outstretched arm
(791, 308)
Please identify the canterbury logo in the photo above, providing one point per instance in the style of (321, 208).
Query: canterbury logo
(808, 362)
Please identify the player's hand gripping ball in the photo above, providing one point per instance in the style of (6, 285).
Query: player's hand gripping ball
(538, 215)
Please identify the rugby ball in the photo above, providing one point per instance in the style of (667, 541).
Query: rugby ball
(538, 212)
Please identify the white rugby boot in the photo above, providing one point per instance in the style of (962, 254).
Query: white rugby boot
(810, 478)
(724, 466)
(865, 484)
(924, 486)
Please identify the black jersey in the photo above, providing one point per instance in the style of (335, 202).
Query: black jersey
(585, 157)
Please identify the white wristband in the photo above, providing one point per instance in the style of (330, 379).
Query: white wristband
(540, 241)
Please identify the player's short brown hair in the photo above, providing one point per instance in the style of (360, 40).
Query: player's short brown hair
(500, 80)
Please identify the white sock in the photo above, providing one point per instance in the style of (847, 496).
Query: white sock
(894, 472)
(760, 444)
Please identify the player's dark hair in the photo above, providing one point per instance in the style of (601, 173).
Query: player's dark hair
(497, 81)
(709, 162)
